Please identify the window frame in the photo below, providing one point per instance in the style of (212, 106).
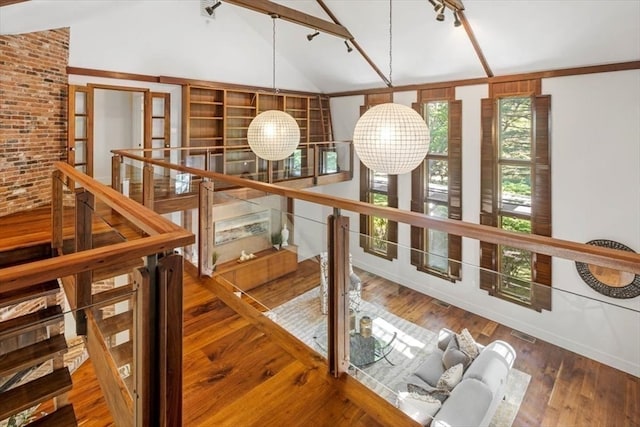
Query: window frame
(419, 200)
(491, 213)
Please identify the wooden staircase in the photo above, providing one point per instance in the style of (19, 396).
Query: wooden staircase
(32, 347)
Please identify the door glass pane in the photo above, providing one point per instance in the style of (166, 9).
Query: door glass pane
(81, 127)
(516, 189)
(80, 152)
(515, 128)
(157, 107)
(81, 103)
(438, 180)
(438, 122)
(157, 128)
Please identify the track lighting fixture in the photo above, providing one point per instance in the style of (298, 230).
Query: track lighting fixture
(311, 36)
(210, 9)
(349, 48)
(440, 15)
(457, 22)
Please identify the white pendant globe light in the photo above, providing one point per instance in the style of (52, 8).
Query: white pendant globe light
(391, 138)
(273, 134)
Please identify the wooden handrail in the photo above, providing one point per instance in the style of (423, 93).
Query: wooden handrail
(606, 257)
(143, 218)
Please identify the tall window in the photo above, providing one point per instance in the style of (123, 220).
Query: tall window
(378, 235)
(436, 190)
(516, 196)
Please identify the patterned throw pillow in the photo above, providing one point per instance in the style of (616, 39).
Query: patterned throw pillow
(439, 394)
(420, 408)
(451, 377)
(467, 344)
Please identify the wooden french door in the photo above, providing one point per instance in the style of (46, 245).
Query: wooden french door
(80, 132)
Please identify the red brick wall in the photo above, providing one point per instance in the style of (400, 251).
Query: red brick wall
(33, 115)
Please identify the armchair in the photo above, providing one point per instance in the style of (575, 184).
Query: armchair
(355, 285)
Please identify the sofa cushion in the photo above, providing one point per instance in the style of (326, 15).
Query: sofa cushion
(420, 408)
(444, 336)
(440, 394)
(467, 405)
(490, 368)
(453, 355)
(431, 369)
(450, 378)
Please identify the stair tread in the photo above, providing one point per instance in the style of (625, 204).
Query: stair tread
(118, 323)
(31, 355)
(123, 353)
(28, 292)
(37, 391)
(120, 293)
(62, 417)
(29, 322)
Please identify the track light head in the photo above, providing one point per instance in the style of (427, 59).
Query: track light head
(311, 36)
(210, 9)
(349, 48)
(457, 22)
(440, 15)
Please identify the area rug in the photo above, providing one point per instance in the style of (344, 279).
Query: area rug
(301, 316)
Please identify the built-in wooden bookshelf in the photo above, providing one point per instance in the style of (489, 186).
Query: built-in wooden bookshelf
(217, 117)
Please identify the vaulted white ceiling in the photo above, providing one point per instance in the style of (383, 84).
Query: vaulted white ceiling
(172, 38)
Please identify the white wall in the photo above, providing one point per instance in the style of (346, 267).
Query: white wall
(595, 137)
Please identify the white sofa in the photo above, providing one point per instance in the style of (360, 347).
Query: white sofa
(473, 401)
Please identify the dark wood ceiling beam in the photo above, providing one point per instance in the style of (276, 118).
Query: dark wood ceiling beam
(295, 16)
(355, 44)
(474, 42)
(8, 2)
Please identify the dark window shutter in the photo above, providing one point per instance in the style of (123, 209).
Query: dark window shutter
(455, 184)
(488, 207)
(417, 205)
(364, 185)
(541, 209)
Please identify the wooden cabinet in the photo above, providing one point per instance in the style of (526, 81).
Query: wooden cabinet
(268, 265)
(203, 115)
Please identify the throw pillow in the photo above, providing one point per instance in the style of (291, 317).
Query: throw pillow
(439, 394)
(467, 343)
(453, 355)
(451, 377)
(420, 408)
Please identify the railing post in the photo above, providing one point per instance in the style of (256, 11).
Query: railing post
(57, 211)
(147, 186)
(205, 225)
(83, 242)
(116, 181)
(169, 318)
(143, 348)
(338, 238)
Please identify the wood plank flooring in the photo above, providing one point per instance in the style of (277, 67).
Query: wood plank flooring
(235, 374)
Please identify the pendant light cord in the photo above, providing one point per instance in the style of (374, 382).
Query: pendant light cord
(274, 53)
(390, 42)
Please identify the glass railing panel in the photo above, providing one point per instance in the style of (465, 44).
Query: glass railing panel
(131, 179)
(40, 350)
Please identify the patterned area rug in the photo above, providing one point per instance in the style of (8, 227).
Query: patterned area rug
(412, 344)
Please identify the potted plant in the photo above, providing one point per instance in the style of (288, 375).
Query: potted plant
(276, 240)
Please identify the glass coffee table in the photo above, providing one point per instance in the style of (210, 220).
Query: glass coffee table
(368, 345)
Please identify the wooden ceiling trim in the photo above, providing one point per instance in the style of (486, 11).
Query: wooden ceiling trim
(293, 15)
(564, 72)
(9, 2)
(356, 45)
(474, 42)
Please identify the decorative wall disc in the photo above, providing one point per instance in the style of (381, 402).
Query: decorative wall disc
(607, 281)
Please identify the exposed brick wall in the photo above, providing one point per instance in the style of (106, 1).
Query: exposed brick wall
(33, 115)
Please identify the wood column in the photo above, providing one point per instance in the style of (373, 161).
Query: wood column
(57, 211)
(147, 186)
(116, 181)
(337, 337)
(142, 348)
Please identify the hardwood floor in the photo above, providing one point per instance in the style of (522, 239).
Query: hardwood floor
(237, 374)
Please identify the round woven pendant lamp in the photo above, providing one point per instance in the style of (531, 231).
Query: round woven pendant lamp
(391, 138)
(273, 135)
